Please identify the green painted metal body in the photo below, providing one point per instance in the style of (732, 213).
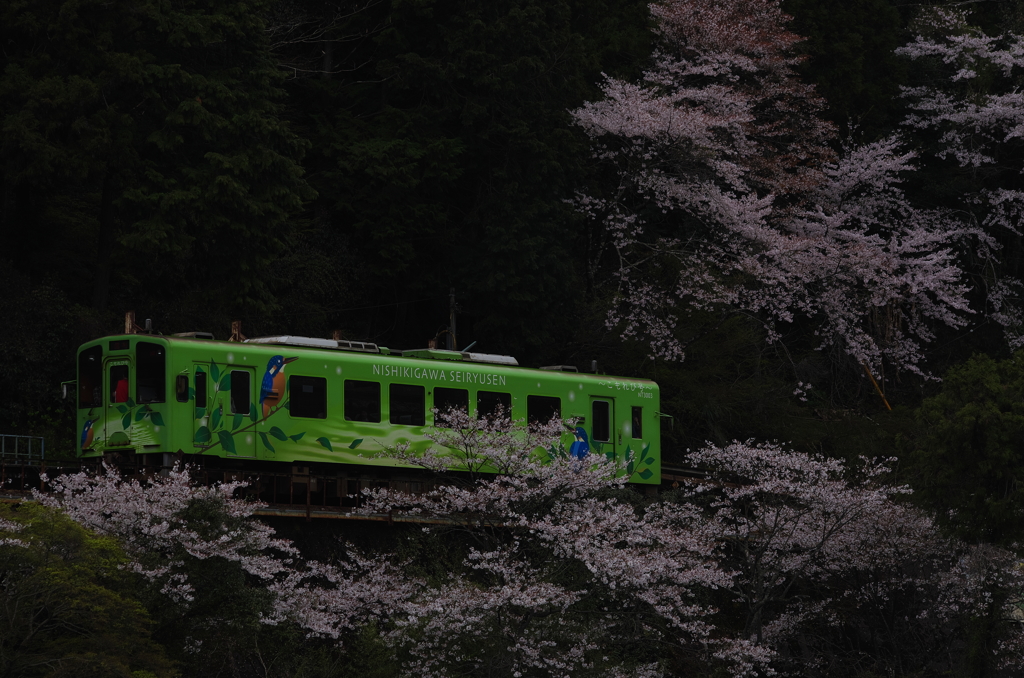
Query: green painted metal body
(139, 418)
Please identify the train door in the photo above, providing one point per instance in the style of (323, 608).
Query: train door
(117, 404)
(201, 411)
(602, 426)
(237, 404)
(224, 410)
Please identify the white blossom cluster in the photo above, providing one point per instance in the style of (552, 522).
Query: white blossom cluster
(729, 196)
(975, 119)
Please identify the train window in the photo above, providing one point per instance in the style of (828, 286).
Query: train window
(241, 393)
(491, 403)
(542, 409)
(181, 388)
(90, 377)
(118, 383)
(407, 405)
(362, 401)
(200, 389)
(638, 422)
(150, 374)
(448, 400)
(309, 397)
(602, 430)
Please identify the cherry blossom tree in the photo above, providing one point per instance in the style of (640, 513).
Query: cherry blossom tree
(808, 537)
(167, 521)
(560, 571)
(766, 564)
(215, 571)
(969, 117)
(727, 197)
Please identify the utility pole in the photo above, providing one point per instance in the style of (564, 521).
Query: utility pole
(450, 343)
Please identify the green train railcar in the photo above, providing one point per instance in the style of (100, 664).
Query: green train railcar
(301, 400)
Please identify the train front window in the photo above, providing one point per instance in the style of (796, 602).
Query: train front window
(241, 398)
(151, 373)
(448, 401)
(362, 400)
(181, 388)
(309, 397)
(90, 377)
(542, 409)
(602, 421)
(407, 405)
(118, 384)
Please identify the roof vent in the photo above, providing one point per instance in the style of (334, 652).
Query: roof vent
(560, 368)
(438, 354)
(362, 346)
(194, 335)
(490, 358)
(314, 342)
(433, 354)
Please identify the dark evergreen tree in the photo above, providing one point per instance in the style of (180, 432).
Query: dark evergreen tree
(443, 153)
(143, 144)
(965, 460)
(849, 48)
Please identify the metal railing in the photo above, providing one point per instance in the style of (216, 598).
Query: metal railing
(22, 448)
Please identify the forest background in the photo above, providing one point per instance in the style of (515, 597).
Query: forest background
(311, 167)
(307, 167)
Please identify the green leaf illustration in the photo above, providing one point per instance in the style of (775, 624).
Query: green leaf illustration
(227, 441)
(237, 421)
(130, 403)
(126, 421)
(140, 414)
(278, 433)
(266, 441)
(203, 435)
(157, 418)
(214, 371)
(644, 453)
(225, 383)
(355, 443)
(646, 473)
(200, 412)
(215, 418)
(253, 412)
(122, 409)
(326, 443)
(297, 436)
(629, 467)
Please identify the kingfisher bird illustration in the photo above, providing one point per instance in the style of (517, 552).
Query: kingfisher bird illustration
(272, 388)
(581, 446)
(87, 433)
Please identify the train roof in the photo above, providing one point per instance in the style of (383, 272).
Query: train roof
(359, 347)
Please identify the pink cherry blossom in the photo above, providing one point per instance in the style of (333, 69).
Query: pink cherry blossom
(729, 199)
